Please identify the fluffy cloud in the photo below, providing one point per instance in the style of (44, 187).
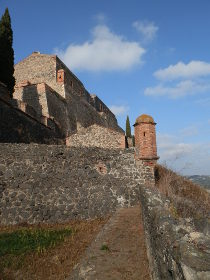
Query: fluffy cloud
(204, 102)
(171, 148)
(100, 17)
(184, 71)
(181, 79)
(189, 131)
(106, 51)
(186, 158)
(178, 90)
(147, 29)
(119, 110)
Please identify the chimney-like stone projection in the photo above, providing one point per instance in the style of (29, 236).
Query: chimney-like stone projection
(145, 140)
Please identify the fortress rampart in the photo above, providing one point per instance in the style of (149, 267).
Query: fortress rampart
(85, 171)
(46, 84)
(20, 123)
(52, 183)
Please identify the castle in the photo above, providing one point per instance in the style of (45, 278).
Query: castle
(86, 175)
(55, 93)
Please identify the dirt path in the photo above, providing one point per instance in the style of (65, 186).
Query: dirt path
(118, 252)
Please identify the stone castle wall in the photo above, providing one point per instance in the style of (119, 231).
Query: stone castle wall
(97, 136)
(177, 249)
(41, 68)
(71, 114)
(48, 103)
(42, 183)
(20, 123)
(19, 127)
(4, 93)
(37, 68)
(72, 85)
(46, 84)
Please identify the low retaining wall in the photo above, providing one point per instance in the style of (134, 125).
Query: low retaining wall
(42, 183)
(176, 249)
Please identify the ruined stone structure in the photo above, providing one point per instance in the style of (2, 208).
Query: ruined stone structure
(47, 85)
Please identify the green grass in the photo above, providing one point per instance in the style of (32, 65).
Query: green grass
(29, 240)
(105, 247)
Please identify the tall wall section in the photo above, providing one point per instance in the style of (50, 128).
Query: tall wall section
(38, 68)
(75, 109)
(20, 124)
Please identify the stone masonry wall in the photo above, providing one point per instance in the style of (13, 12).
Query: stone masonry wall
(177, 249)
(4, 94)
(20, 124)
(37, 68)
(70, 115)
(41, 183)
(97, 136)
(47, 102)
(72, 85)
(41, 68)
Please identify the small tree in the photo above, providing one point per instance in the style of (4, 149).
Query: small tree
(128, 127)
(6, 52)
(133, 140)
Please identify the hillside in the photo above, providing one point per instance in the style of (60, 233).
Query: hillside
(202, 180)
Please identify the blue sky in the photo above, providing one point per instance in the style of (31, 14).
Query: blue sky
(139, 57)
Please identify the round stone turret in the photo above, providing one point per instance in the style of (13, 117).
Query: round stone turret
(145, 138)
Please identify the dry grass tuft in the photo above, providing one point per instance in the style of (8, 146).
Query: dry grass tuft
(189, 199)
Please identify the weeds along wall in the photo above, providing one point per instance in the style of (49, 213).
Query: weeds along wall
(42, 183)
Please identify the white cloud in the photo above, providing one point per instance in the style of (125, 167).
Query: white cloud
(186, 158)
(184, 71)
(189, 131)
(191, 80)
(100, 17)
(119, 110)
(147, 29)
(106, 51)
(170, 149)
(204, 102)
(181, 89)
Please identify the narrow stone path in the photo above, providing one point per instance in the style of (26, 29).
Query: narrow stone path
(118, 252)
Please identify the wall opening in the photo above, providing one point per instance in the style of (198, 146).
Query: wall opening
(60, 76)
